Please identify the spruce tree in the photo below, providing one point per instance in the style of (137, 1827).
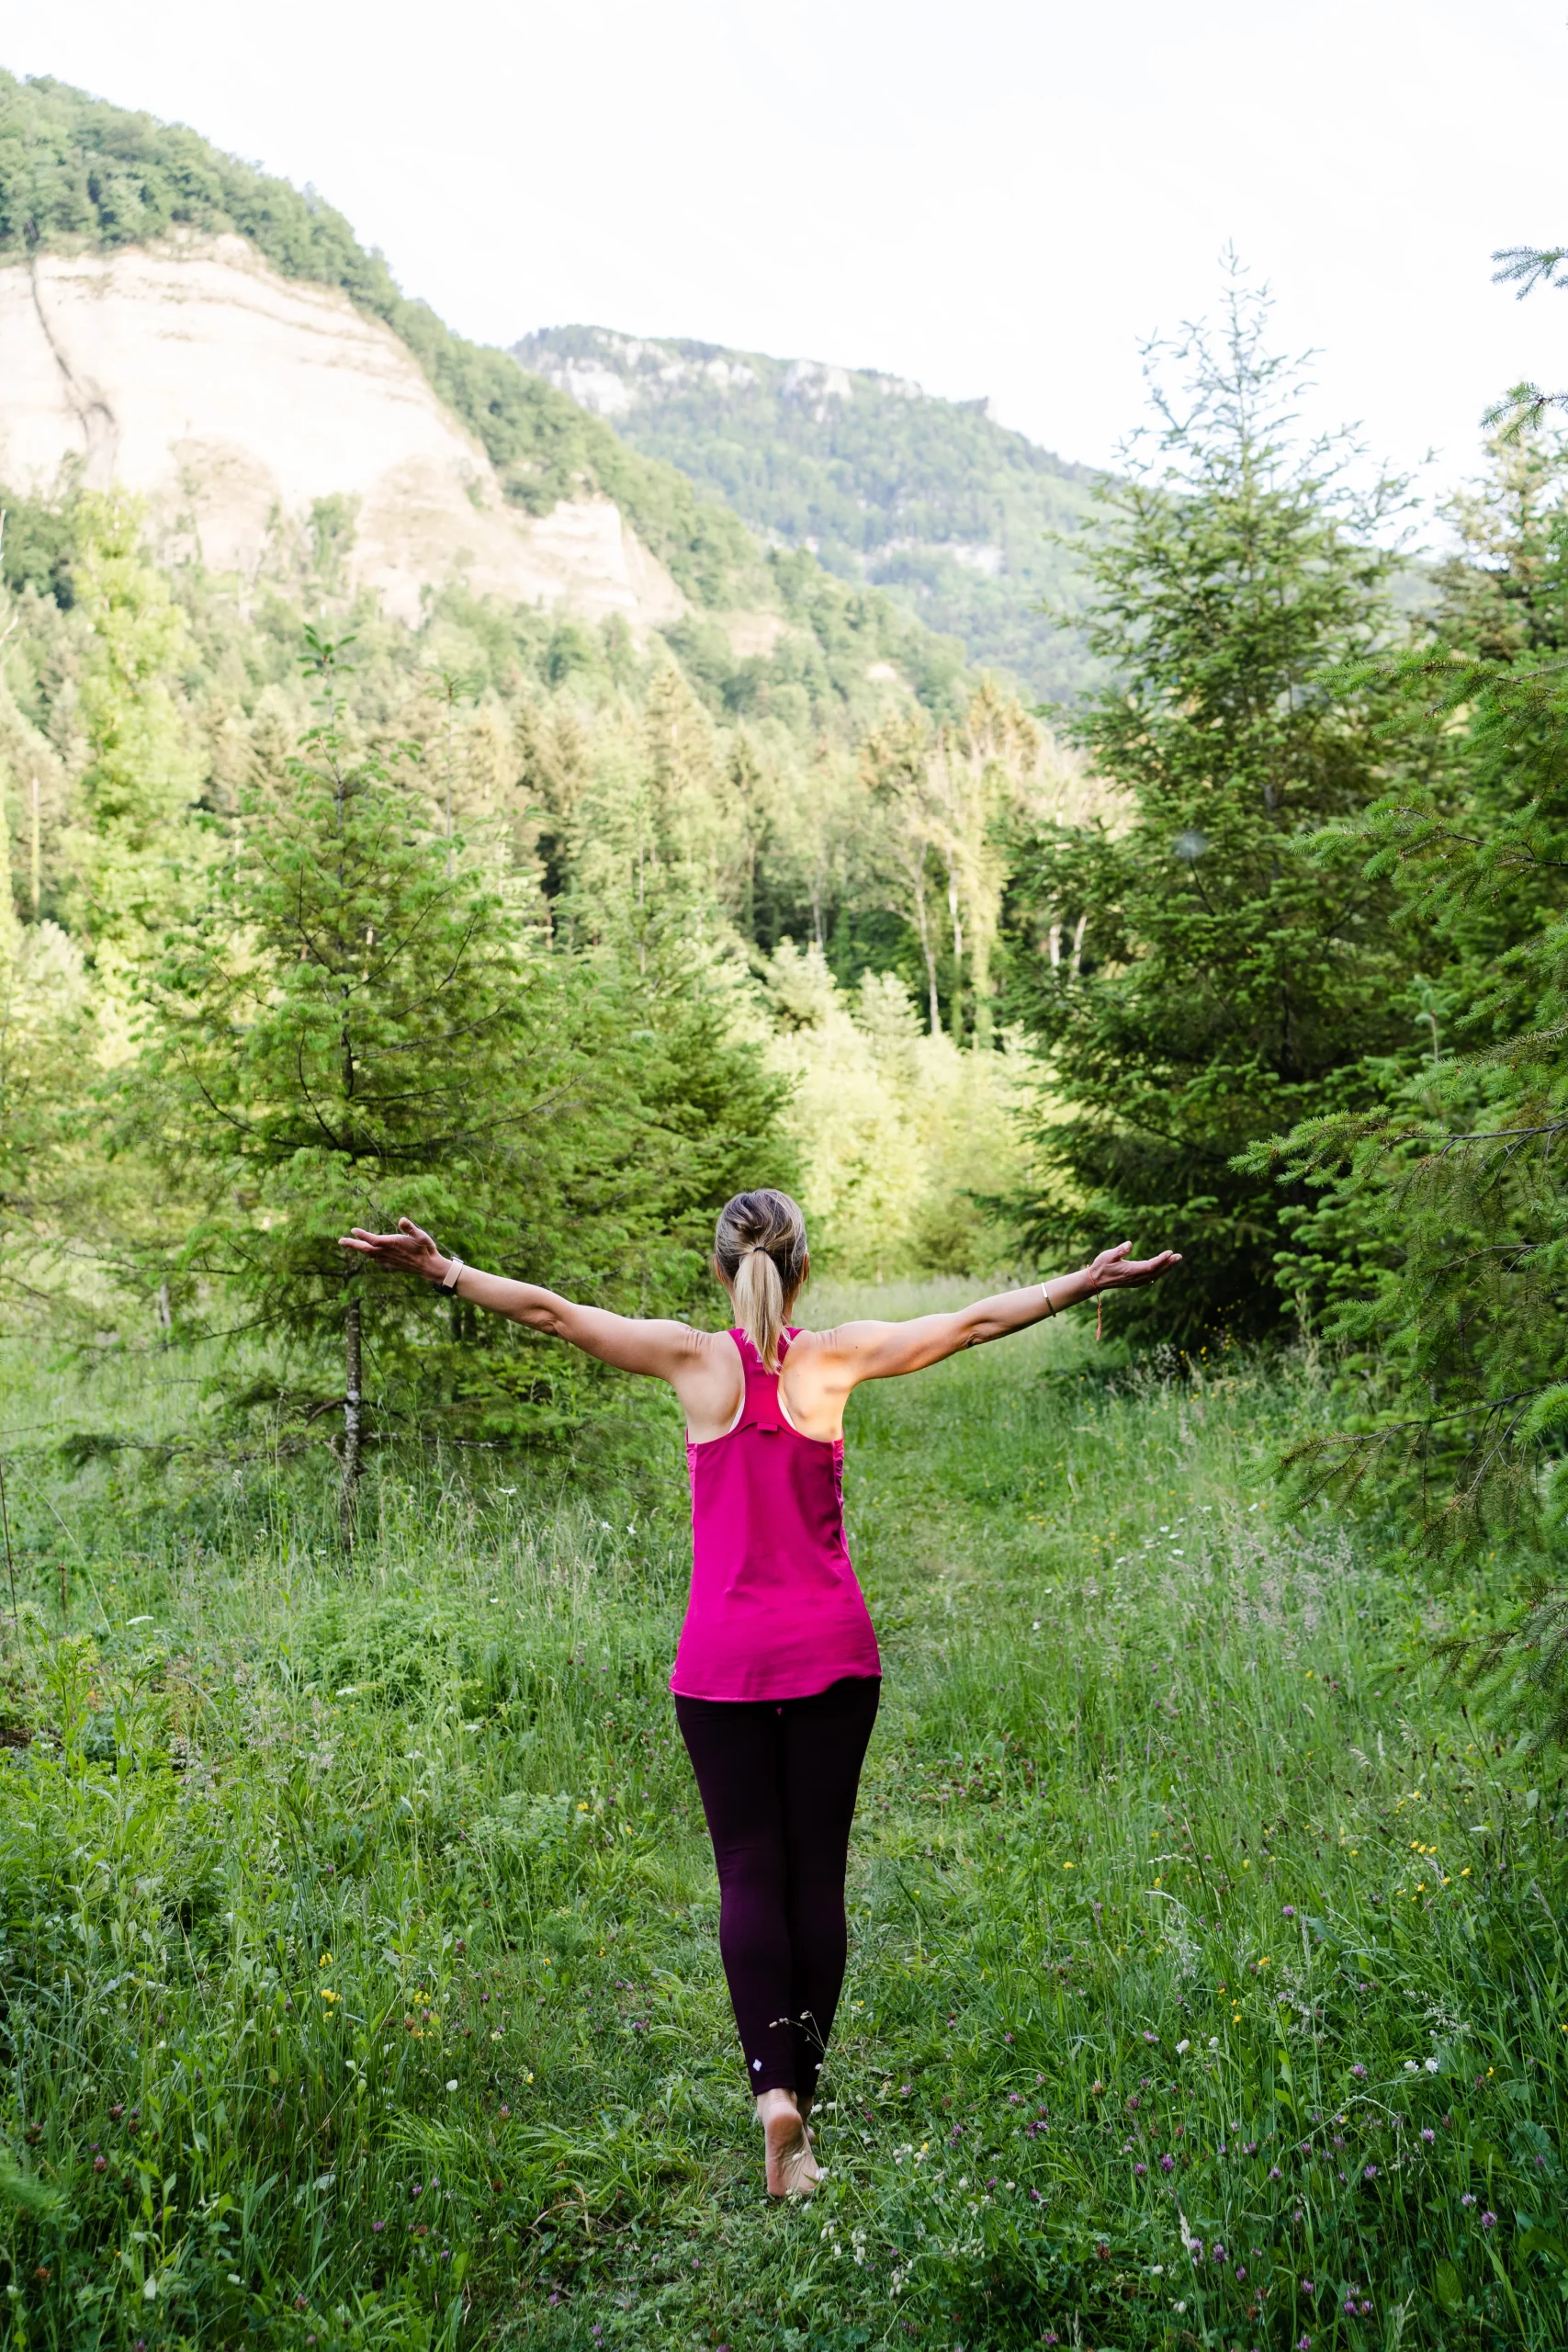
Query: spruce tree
(1225, 977)
(362, 1025)
(357, 1026)
(1445, 1206)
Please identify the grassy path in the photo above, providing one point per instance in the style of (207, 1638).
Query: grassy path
(360, 1981)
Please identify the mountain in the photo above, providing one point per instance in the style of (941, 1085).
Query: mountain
(233, 399)
(178, 322)
(933, 500)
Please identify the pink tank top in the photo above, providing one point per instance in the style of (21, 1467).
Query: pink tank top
(775, 1611)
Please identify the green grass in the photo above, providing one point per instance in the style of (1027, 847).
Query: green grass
(360, 1982)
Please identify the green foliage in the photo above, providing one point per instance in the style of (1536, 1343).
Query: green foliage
(1207, 972)
(961, 521)
(362, 1026)
(134, 841)
(1179, 1771)
(1444, 1205)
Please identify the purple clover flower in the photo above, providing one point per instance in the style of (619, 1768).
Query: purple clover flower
(1489, 2221)
(1360, 2072)
(1167, 2163)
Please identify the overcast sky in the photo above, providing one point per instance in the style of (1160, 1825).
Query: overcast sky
(999, 197)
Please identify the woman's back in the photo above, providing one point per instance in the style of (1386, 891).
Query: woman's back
(775, 1609)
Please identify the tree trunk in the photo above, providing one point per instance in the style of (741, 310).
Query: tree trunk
(928, 952)
(351, 1421)
(956, 920)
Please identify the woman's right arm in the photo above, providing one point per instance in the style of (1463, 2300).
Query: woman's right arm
(662, 1350)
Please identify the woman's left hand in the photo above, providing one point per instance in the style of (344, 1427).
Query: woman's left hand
(410, 1250)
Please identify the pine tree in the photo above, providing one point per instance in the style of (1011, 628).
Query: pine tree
(1447, 1204)
(1225, 979)
(134, 847)
(358, 1026)
(362, 1025)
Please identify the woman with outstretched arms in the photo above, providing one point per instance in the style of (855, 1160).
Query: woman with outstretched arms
(776, 1675)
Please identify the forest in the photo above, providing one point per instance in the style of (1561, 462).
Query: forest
(969, 525)
(336, 1617)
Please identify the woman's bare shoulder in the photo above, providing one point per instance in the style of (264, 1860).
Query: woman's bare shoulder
(840, 1339)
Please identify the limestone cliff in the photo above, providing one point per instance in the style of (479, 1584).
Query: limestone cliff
(233, 398)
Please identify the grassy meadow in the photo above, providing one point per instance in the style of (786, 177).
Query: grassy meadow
(359, 1982)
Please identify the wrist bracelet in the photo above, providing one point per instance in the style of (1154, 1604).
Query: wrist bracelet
(1049, 1302)
(454, 1267)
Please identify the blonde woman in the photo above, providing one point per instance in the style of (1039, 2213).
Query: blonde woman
(776, 1676)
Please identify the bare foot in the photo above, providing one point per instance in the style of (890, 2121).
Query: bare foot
(791, 2167)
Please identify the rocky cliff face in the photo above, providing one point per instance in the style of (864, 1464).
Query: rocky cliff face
(233, 399)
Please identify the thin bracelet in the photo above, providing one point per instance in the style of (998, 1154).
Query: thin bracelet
(453, 1269)
(1049, 1302)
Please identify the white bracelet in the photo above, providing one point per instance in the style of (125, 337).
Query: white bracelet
(1049, 1302)
(454, 1267)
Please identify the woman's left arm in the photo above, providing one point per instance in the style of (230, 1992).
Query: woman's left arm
(857, 1352)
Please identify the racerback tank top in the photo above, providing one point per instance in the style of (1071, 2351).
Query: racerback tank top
(775, 1610)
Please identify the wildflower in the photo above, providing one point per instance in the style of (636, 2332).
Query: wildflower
(1217, 2252)
(1167, 2163)
(1274, 2172)
(1305, 2344)
(1150, 2036)
(1288, 1912)
(1308, 2288)
(1467, 2198)
(453, 2084)
(1139, 2171)
(1489, 2221)
(1431, 2065)
(1182, 2046)
(1360, 2072)
(1429, 2137)
(1370, 2172)
(377, 2228)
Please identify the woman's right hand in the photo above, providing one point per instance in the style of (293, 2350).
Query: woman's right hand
(1117, 1269)
(410, 1250)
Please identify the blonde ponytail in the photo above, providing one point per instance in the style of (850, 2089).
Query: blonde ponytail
(760, 1249)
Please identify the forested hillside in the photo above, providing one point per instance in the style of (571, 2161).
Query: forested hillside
(960, 519)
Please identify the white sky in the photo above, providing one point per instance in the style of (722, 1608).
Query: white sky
(999, 197)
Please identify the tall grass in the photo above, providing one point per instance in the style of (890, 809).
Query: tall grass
(361, 1987)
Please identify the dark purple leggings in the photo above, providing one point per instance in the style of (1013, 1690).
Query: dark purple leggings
(778, 1781)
